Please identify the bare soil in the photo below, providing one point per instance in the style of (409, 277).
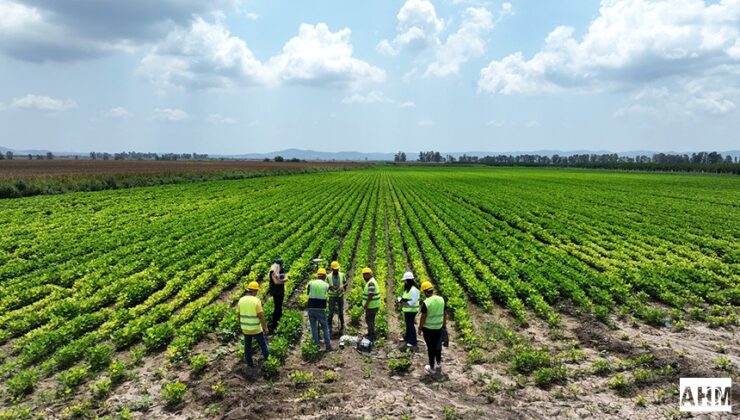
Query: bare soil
(366, 388)
(25, 168)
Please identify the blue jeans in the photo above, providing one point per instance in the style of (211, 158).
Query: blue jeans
(248, 347)
(318, 316)
(410, 336)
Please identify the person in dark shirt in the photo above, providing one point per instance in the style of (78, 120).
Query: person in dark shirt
(277, 278)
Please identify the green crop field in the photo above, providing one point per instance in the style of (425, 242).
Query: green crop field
(553, 278)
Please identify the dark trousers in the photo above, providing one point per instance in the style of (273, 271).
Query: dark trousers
(336, 305)
(370, 315)
(248, 347)
(277, 312)
(434, 349)
(410, 336)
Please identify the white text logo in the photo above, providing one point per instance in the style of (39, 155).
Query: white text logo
(705, 395)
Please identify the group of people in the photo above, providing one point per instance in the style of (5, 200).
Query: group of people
(327, 291)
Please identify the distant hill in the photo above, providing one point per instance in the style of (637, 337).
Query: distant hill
(314, 155)
(39, 152)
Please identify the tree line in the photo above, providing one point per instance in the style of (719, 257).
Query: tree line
(147, 156)
(699, 161)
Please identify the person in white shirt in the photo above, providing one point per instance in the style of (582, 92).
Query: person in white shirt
(410, 307)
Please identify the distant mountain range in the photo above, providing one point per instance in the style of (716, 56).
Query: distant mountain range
(361, 156)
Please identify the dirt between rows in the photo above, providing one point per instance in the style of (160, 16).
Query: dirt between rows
(365, 387)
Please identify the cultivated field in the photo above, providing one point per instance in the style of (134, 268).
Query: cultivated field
(574, 293)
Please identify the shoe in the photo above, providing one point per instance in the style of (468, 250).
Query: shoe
(428, 370)
(437, 368)
(329, 349)
(401, 339)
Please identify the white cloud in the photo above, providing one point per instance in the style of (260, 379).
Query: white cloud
(52, 30)
(42, 103)
(636, 109)
(689, 99)
(169, 114)
(630, 43)
(119, 112)
(204, 56)
(370, 98)
(217, 119)
(533, 124)
(495, 123)
(418, 29)
(375, 97)
(252, 16)
(317, 56)
(207, 56)
(425, 123)
(466, 43)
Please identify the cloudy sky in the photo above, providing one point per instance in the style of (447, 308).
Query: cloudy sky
(233, 76)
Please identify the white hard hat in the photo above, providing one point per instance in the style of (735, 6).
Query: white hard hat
(408, 276)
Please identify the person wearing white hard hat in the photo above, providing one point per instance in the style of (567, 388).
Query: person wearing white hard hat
(409, 302)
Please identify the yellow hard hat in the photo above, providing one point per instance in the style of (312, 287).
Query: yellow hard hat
(334, 265)
(321, 271)
(426, 286)
(367, 270)
(253, 286)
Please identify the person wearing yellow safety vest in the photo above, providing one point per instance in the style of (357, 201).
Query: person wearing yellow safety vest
(371, 298)
(317, 290)
(252, 322)
(410, 307)
(337, 287)
(433, 321)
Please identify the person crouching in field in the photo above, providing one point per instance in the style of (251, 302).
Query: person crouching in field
(409, 302)
(252, 322)
(317, 290)
(277, 279)
(433, 320)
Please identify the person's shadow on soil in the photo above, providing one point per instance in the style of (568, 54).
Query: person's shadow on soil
(436, 378)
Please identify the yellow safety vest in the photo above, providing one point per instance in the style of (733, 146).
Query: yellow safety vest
(248, 318)
(317, 292)
(410, 308)
(435, 312)
(330, 282)
(375, 300)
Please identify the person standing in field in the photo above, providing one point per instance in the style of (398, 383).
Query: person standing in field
(410, 307)
(337, 287)
(277, 278)
(433, 320)
(252, 322)
(318, 290)
(372, 298)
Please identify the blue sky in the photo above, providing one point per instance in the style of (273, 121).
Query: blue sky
(232, 76)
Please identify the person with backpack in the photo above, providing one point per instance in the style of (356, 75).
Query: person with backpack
(277, 279)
